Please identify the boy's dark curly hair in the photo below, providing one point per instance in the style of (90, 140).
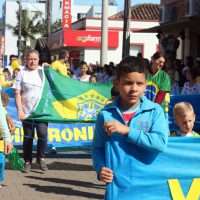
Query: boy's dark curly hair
(131, 64)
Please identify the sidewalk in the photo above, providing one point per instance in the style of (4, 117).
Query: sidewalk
(70, 176)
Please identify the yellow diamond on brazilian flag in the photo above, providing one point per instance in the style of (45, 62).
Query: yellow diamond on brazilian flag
(84, 107)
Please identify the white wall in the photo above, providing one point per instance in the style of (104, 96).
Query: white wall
(149, 40)
(91, 55)
(114, 55)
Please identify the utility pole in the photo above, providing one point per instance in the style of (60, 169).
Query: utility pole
(20, 28)
(126, 29)
(104, 33)
(48, 16)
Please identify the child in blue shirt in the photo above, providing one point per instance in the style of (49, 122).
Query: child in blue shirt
(130, 120)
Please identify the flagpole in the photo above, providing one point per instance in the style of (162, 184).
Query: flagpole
(104, 33)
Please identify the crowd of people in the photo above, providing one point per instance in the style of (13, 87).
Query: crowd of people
(133, 77)
(180, 78)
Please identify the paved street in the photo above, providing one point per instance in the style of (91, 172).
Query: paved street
(70, 176)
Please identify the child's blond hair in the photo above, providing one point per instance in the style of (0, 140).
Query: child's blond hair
(181, 108)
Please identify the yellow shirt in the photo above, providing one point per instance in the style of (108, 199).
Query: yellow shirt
(60, 67)
(1, 145)
(3, 82)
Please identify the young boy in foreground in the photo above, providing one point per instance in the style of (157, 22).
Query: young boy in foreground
(5, 140)
(130, 119)
(185, 117)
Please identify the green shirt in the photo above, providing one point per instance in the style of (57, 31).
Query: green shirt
(160, 81)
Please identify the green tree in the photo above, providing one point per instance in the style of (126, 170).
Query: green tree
(32, 27)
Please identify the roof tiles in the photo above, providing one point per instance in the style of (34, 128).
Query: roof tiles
(142, 12)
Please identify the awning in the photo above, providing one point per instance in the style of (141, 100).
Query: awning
(55, 40)
(186, 22)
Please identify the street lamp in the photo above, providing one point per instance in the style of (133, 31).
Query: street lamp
(19, 29)
(48, 16)
(104, 33)
(126, 31)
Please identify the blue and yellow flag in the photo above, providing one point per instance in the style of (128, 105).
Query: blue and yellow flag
(65, 99)
(141, 174)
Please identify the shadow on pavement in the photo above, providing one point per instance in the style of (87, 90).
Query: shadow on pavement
(69, 182)
(64, 191)
(68, 155)
(58, 165)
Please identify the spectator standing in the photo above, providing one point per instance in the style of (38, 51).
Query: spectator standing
(11, 59)
(16, 66)
(93, 78)
(189, 64)
(62, 65)
(175, 89)
(3, 81)
(28, 89)
(159, 83)
(191, 86)
(83, 76)
(7, 74)
(108, 74)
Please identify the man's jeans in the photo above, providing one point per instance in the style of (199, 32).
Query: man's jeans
(29, 127)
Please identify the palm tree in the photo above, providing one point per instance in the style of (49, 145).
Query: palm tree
(31, 28)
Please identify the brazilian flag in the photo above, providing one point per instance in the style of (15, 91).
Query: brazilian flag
(67, 100)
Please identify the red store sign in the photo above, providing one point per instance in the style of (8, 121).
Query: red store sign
(90, 39)
(66, 14)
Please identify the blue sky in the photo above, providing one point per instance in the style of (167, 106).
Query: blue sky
(98, 2)
(1, 3)
(120, 2)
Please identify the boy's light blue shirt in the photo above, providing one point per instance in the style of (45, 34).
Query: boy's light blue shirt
(4, 131)
(148, 130)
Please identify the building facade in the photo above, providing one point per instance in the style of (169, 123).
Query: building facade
(86, 38)
(180, 20)
(78, 11)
